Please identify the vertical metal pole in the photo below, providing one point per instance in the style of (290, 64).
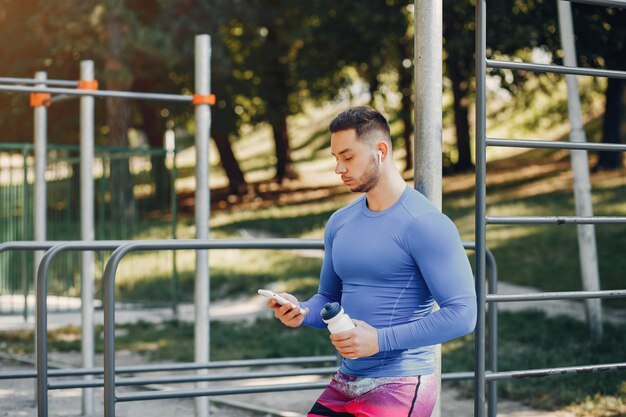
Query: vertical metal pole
(582, 184)
(41, 339)
(428, 78)
(492, 318)
(26, 222)
(481, 173)
(428, 99)
(40, 189)
(87, 230)
(201, 297)
(174, 208)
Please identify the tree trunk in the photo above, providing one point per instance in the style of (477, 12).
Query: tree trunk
(154, 131)
(406, 112)
(614, 108)
(284, 164)
(118, 120)
(459, 75)
(236, 180)
(372, 80)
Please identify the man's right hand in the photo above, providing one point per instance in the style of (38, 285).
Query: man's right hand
(288, 315)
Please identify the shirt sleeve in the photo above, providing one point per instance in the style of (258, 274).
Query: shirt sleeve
(330, 284)
(436, 247)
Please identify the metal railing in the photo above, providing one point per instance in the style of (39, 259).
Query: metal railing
(482, 220)
(124, 247)
(16, 222)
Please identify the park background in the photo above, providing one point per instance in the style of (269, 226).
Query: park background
(281, 70)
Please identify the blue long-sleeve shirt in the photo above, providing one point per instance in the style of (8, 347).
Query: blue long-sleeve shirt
(387, 268)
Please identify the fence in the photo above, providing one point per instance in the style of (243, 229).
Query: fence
(144, 214)
(123, 250)
(482, 219)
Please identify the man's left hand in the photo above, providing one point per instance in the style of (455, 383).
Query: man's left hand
(360, 342)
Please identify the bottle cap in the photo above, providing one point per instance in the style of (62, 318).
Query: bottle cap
(330, 310)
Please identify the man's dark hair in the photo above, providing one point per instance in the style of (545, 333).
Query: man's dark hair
(364, 120)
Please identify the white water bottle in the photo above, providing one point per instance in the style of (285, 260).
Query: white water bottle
(336, 319)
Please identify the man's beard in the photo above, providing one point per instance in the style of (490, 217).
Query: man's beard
(369, 179)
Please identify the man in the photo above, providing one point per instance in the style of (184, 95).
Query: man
(388, 257)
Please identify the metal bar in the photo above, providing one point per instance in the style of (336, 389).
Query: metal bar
(428, 98)
(40, 189)
(586, 233)
(452, 376)
(173, 367)
(457, 376)
(481, 190)
(522, 143)
(60, 98)
(428, 52)
(98, 93)
(26, 228)
(59, 83)
(202, 289)
(558, 69)
(607, 3)
(109, 287)
(54, 373)
(565, 295)
(152, 395)
(87, 230)
(56, 247)
(41, 334)
(31, 245)
(492, 319)
(181, 379)
(554, 220)
(572, 370)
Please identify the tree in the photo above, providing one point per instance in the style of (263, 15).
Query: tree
(601, 40)
(374, 38)
(459, 63)
(186, 19)
(119, 77)
(265, 44)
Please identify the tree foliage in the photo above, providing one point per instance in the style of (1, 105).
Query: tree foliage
(271, 57)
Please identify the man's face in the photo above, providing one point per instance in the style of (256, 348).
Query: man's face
(356, 161)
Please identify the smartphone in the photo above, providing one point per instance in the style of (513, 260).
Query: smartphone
(280, 300)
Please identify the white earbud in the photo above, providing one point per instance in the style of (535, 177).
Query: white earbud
(380, 157)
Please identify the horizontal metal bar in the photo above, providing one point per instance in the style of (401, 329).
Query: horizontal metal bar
(558, 69)
(546, 296)
(45, 245)
(97, 383)
(174, 367)
(61, 97)
(162, 395)
(18, 375)
(457, 376)
(97, 93)
(59, 83)
(29, 245)
(572, 370)
(554, 220)
(180, 379)
(523, 143)
(607, 3)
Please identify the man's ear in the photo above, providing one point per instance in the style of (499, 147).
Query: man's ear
(382, 147)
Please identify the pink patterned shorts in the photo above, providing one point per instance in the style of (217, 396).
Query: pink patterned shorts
(347, 396)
